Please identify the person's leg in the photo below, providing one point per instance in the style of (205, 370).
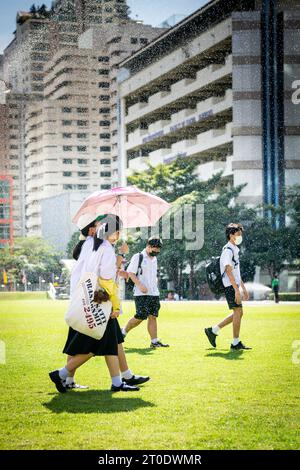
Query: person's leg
(60, 376)
(236, 324)
(152, 327)
(122, 359)
(126, 374)
(227, 320)
(74, 362)
(133, 323)
(71, 372)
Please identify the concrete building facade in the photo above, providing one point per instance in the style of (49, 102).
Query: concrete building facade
(218, 87)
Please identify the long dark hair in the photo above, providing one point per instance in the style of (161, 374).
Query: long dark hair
(110, 225)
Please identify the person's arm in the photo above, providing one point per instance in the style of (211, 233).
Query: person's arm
(245, 292)
(112, 289)
(138, 283)
(228, 270)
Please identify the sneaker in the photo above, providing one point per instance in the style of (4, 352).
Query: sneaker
(211, 336)
(136, 380)
(124, 388)
(59, 383)
(240, 345)
(159, 344)
(75, 385)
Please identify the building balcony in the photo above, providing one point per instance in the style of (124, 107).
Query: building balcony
(209, 169)
(136, 165)
(209, 78)
(183, 122)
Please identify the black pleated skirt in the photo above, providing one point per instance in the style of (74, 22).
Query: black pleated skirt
(78, 343)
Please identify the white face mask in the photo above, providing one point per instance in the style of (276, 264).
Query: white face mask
(238, 240)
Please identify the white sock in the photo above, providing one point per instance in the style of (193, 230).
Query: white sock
(63, 373)
(69, 380)
(124, 332)
(235, 341)
(154, 340)
(216, 329)
(127, 374)
(116, 381)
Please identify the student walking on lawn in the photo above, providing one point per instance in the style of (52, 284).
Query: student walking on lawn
(98, 255)
(232, 281)
(142, 270)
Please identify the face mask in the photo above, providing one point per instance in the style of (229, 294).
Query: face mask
(153, 253)
(238, 240)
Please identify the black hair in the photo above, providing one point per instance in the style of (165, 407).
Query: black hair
(154, 242)
(231, 229)
(113, 224)
(77, 249)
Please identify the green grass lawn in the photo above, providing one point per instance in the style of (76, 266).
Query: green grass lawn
(198, 398)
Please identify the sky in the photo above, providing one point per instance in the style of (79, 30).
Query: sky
(151, 12)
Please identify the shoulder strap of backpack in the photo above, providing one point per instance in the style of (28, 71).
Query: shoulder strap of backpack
(140, 264)
(235, 262)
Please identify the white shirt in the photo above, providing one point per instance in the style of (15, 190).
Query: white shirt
(103, 262)
(149, 273)
(227, 259)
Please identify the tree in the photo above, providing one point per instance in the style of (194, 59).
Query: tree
(33, 9)
(34, 256)
(71, 245)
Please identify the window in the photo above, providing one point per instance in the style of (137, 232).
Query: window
(105, 161)
(104, 72)
(67, 161)
(104, 98)
(105, 173)
(66, 110)
(143, 40)
(105, 149)
(105, 186)
(67, 148)
(104, 136)
(4, 211)
(69, 186)
(104, 110)
(103, 59)
(4, 231)
(82, 110)
(81, 148)
(104, 123)
(82, 186)
(82, 174)
(82, 161)
(81, 136)
(67, 173)
(82, 123)
(134, 40)
(66, 123)
(67, 136)
(103, 84)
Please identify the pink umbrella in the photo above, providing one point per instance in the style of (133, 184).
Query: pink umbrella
(135, 208)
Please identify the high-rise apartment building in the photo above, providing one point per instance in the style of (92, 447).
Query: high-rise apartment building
(63, 106)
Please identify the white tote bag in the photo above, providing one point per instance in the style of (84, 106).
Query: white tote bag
(84, 315)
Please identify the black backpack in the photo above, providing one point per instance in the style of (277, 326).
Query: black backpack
(214, 276)
(129, 283)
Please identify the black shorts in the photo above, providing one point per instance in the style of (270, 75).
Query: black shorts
(146, 305)
(230, 297)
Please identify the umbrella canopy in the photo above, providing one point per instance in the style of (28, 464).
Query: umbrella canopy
(135, 208)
